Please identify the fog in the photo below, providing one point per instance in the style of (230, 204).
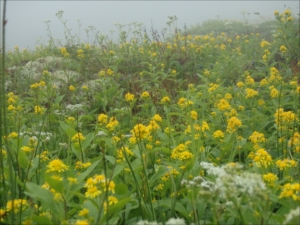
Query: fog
(26, 25)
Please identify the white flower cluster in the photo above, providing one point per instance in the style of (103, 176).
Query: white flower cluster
(171, 221)
(231, 181)
(45, 136)
(293, 217)
(76, 107)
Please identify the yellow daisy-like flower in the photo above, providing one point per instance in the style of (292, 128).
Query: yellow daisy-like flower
(102, 119)
(83, 212)
(270, 178)
(218, 134)
(157, 118)
(129, 97)
(194, 115)
(78, 137)
(145, 94)
(81, 222)
(38, 110)
(56, 165)
(72, 88)
(92, 192)
(165, 100)
(26, 149)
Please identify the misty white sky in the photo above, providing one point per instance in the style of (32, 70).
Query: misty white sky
(26, 18)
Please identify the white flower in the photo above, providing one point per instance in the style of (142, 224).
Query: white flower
(293, 217)
(174, 221)
(101, 133)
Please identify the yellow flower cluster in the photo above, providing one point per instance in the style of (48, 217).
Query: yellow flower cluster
(96, 184)
(38, 85)
(256, 138)
(283, 49)
(171, 172)
(26, 149)
(102, 119)
(57, 166)
(283, 119)
(181, 153)
(286, 163)
(80, 53)
(218, 134)
(232, 124)
(12, 100)
(80, 165)
(145, 94)
(113, 123)
(249, 80)
(270, 178)
(194, 115)
(183, 103)
(273, 92)
(291, 191)
(16, 205)
(38, 110)
(223, 105)
(264, 44)
(129, 97)
(165, 100)
(78, 137)
(274, 75)
(261, 158)
(251, 93)
(212, 87)
(295, 142)
(64, 52)
(139, 132)
(121, 154)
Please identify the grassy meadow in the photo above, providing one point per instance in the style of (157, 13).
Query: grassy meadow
(171, 127)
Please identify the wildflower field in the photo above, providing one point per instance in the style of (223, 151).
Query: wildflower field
(154, 129)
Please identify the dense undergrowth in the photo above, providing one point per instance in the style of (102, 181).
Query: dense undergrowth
(178, 128)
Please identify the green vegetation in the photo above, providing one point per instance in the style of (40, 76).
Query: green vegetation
(174, 129)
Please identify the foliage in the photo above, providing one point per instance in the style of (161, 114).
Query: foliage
(183, 129)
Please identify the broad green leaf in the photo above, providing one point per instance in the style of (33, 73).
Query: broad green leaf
(83, 175)
(57, 185)
(22, 159)
(115, 208)
(87, 141)
(111, 159)
(46, 197)
(117, 170)
(121, 189)
(159, 173)
(168, 203)
(42, 220)
(68, 129)
(58, 99)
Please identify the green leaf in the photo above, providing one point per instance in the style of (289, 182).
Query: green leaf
(87, 141)
(57, 185)
(83, 175)
(159, 173)
(121, 189)
(168, 203)
(58, 99)
(111, 159)
(42, 220)
(115, 208)
(22, 159)
(46, 197)
(68, 129)
(117, 170)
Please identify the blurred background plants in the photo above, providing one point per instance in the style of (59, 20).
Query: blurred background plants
(154, 127)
